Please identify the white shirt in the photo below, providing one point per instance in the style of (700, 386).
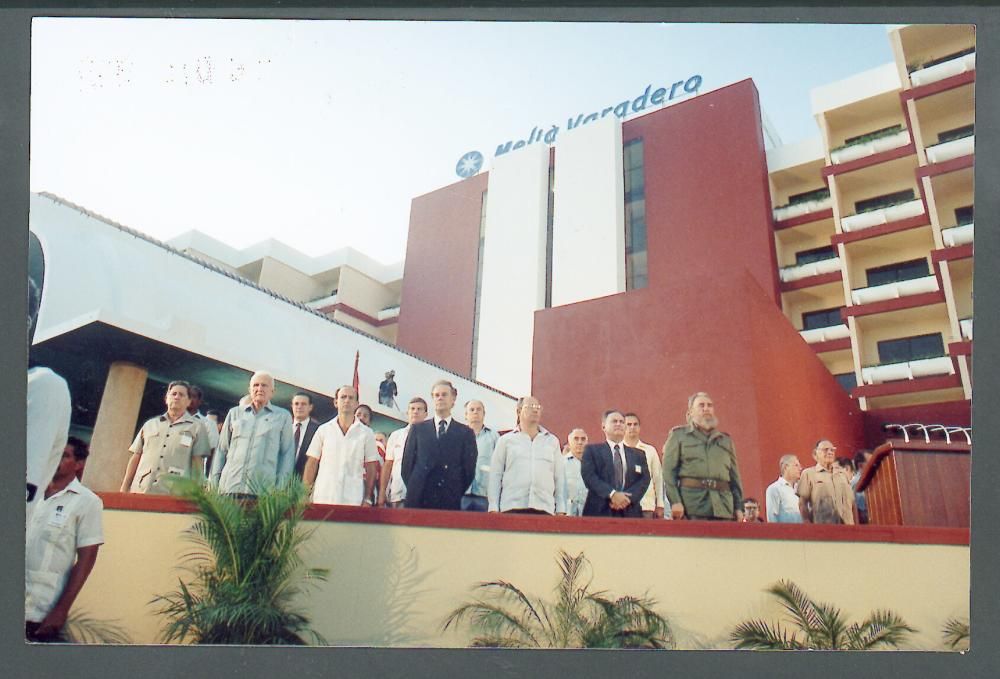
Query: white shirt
(437, 424)
(653, 497)
(394, 451)
(303, 425)
(59, 526)
(576, 489)
(527, 473)
(48, 426)
(782, 503)
(210, 428)
(617, 450)
(342, 458)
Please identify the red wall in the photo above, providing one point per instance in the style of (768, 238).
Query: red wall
(707, 199)
(647, 351)
(709, 319)
(437, 302)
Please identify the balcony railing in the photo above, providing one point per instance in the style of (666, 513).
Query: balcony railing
(863, 149)
(909, 370)
(880, 293)
(885, 215)
(947, 69)
(966, 326)
(794, 273)
(322, 302)
(391, 312)
(955, 148)
(798, 209)
(958, 235)
(832, 332)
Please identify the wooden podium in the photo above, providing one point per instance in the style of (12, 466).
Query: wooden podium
(916, 483)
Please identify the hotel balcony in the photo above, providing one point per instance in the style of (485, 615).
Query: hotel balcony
(936, 71)
(796, 273)
(389, 313)
(322, 302)
(958, 235)
(792, 211)
(828, 334)
(871, 144)
(908, 370)
(885, 215)
(949, 150)
(966, 326)
(888, 291)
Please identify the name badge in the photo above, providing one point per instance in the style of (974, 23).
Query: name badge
(638, 469)
(186, 440)
(59, 518)
(175, 471)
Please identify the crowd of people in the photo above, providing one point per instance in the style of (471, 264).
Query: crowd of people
(438, 462)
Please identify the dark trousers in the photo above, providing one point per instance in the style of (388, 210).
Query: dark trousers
(30, 634)
(475, 503)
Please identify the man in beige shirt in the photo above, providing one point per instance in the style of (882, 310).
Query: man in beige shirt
(825, 495)
(652, 500)
(172, 444)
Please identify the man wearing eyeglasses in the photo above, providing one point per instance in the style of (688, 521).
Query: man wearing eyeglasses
(824, 495)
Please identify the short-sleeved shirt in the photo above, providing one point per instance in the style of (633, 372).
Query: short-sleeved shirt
(829, 495)
(59, 526)
(394, 451)
(342, 457)
(168, 449)
(48, 412)
(210, 428)
(486, 441)
(254, 448)
(653, 497)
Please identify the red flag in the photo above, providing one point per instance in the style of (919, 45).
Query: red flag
(355, 383)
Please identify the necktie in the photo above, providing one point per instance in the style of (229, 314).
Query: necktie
(298, 432)
(442, 425)
(619, 471)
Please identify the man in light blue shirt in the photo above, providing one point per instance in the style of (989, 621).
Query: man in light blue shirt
(781, 501)
(526, 471)
(256, 445)
(475, 499)
(576, 489)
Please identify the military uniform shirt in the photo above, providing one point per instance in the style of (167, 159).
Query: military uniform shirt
(167, 449)
(690, 452)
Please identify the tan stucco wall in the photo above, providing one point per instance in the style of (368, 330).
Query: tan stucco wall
(393, 585)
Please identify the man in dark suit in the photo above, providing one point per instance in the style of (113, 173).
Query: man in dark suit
(616, 475)
(303, 428)
(439, 458)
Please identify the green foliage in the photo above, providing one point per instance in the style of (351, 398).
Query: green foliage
(246, 569)
(871, 136)
(81, 628)
(956, 633)
(506, 617)
(818, 625)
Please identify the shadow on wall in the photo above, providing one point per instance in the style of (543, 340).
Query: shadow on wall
(403, 587)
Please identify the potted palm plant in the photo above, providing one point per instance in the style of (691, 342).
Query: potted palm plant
(816, 625)
(580, 617)
(246, 570)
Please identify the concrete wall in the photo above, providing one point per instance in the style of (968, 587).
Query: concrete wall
(393, 584)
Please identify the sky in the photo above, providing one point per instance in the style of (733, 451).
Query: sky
(320, 133)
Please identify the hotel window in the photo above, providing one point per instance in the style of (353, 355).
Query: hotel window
(808, 196)
(957, 133)
(815, 255)
(900, 271)
(636, 265)
(824, 318)
(479, 285)
(910, 348)
(886, 200)
(847, 380)
(963, 215)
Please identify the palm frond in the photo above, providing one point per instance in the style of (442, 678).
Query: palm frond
(883, 628)
(956, 632)
(82, 628)
(759, 635)
(798, 605)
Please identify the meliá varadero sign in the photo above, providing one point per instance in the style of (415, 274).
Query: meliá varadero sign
(470, 163)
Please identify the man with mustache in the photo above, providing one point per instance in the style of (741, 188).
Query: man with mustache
(700, 476)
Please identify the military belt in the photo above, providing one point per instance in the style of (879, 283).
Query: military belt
(706, 484)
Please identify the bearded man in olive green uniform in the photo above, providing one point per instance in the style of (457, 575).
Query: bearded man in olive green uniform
(700, 476)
